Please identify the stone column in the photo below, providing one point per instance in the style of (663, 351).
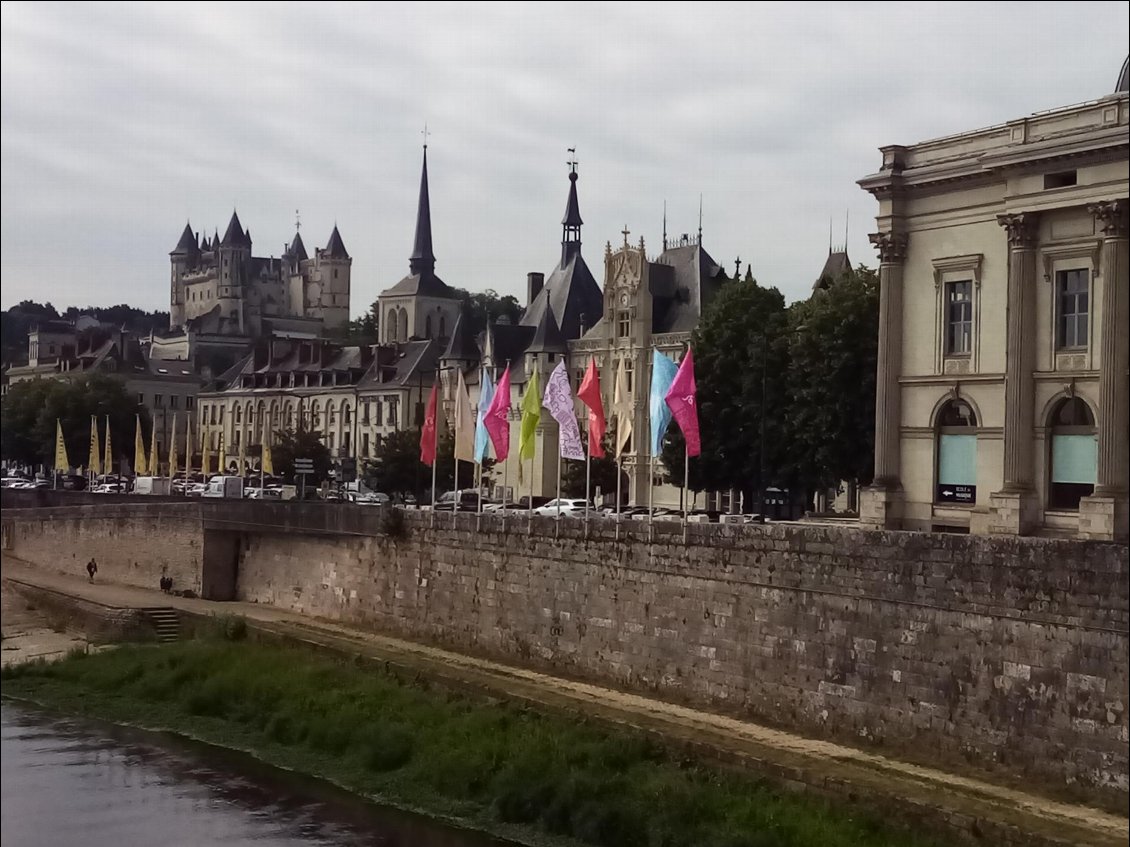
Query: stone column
(1104, 515)
(879, 508)
(1014, 508)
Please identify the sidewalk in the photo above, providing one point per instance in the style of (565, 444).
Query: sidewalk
(999, 814)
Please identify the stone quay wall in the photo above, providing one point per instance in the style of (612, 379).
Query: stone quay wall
(1005, 654)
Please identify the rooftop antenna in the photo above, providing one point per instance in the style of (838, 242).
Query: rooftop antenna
(664, 224)
(700, 218)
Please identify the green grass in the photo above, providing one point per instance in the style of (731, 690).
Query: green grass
(490, 764)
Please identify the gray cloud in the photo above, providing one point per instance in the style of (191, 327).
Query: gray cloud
(118, 122)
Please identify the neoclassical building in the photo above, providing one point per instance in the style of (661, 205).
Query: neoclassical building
(1002, 380)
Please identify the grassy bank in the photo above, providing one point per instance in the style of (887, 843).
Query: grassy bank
(487, 763)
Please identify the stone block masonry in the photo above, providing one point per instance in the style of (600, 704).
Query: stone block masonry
(1008, 654)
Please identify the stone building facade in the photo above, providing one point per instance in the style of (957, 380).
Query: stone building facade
(1002, 386)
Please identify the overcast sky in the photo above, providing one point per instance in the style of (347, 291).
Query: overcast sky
(121, 122)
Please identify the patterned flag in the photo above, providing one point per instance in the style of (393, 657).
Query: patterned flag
(662, 375)
(222, 451)
(429, 431)
(622, 408)
(486, 395)
(140, 463)
(589, 394)
(531, 415)
(497, 418)
(62, 463)
(107, 456)
(94, 460)
(559, 401)
(682, 401)
(464, 423)
(174, 464)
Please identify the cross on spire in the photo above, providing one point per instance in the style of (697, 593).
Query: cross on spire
(572, 163)
(625, 232)
(737, 267)
(297, 221)
(425, 133)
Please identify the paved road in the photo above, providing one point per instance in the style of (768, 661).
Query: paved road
(1002, 813)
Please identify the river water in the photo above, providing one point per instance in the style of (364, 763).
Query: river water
(73, 782)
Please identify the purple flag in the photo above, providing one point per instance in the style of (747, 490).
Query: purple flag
(681, 401)
(559, 400)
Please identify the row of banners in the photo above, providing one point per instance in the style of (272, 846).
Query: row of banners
(672, 395)
(145, 464)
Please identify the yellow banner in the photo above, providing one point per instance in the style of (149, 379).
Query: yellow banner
(206, 457)
(95, 459)
(153, 449)
(140, 463)
(223, 463)
(107, 455)
(173, 464)
(61, 462)
(267, 462)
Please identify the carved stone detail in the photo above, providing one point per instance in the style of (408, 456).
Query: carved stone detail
(1111, 216)
(1022, 229)
(891, 246)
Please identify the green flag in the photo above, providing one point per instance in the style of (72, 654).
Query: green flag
(531, 414)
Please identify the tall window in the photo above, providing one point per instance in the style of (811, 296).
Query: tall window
(392, 404)
(1074, 463)
(629, 374)
(959, 318)
(957, 454)
(623, 325)
(1072, 294)
(378, 413)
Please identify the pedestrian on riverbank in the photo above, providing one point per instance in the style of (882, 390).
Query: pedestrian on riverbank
(91, 568)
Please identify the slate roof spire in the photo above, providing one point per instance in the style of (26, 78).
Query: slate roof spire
(297, 249)
(571, 223)
(234, 236)
(187, 244)
(335, 247)
(461, 346)
(423, 260)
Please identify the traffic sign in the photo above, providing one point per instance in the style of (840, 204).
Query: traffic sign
(304, 466)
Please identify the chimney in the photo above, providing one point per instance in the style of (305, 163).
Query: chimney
(534, 283)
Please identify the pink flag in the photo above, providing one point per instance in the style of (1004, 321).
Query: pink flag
(589, 394)
(429, 432)
(497, 418)
(684, 409)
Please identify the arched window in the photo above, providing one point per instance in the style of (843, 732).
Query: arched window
(345, 415)
(238, 415)
(443, 326)
(428, 326)
(957, 454)
(1074, 454)
(402, 332)
(315, 415)
(392, 324)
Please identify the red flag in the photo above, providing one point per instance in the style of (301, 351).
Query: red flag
(497, 419)
(682, 403)
(589, 393)
(428, 434)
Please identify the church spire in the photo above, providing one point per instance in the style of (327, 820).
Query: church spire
(571, 223)
(423, 260)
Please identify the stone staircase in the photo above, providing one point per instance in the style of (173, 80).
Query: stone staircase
(165, 621)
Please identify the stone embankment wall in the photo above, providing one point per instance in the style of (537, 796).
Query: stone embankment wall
(1006, 653)
(133, 544)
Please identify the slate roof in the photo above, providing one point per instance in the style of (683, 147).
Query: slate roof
(681, 294)
(187, 244)
(835, 266)
(547, 337)
(461, 345)
(335, 248)
(234, 236)
(297, 249)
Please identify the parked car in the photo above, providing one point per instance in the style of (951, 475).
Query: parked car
(195, 489)
(468, 501)
(370, 498)
(566, 507)
(224, 486)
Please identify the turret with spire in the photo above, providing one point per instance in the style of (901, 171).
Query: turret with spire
(422, 262)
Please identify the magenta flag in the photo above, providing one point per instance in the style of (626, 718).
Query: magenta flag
(682, 403)
(497, 419)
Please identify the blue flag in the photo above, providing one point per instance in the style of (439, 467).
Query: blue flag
(482, 437)
(663, 372)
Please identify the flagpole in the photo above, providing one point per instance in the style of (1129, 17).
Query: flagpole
(505, 479)
(686, 480)
(619, 464)
(557, 523)
(435, 464)
(530, 502)
(588, 475)
(455, 506)
(478, 496)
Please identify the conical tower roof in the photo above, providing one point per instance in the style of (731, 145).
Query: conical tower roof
(423, 260)
(297, 249)
(462, 346)
(187, 245)
(572, 207)
(234, 236)
(335, 247)
(547, 335)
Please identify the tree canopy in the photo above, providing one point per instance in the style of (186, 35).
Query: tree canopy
(396, 468)
(301, 443)
(603, 474)
(29, 410)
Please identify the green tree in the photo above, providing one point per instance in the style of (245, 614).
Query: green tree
(364, 330)
(396, 468)
(484, 307)
(301, 443)
(740, 349)
(832, 361)
(30, 409)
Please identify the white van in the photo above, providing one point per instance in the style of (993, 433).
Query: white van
(225, 486)
(152, 485)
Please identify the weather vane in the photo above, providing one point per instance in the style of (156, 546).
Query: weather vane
(572, 163)
(297, 221)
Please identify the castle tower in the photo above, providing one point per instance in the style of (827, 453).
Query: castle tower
(328, 291)
(231, 260)
(184, 257)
